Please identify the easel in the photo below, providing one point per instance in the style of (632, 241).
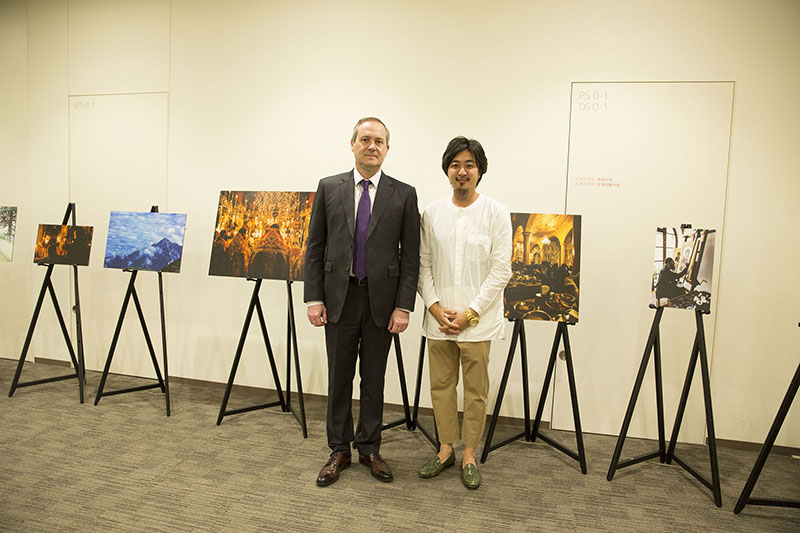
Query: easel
(433, 439)
(163, 384)
(745, 498)
(668, 455)
(291, 345)
(403, 389)
(531, 434)
(47, 286)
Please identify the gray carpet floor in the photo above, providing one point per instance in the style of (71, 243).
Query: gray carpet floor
(124, 466)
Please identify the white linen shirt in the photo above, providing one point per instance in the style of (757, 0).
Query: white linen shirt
(465, 261)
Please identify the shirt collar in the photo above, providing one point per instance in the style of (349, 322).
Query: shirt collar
(374, 179)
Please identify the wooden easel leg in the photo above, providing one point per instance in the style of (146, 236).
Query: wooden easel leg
(662, 447)
(487, 445)
(238, 355)
(114, 339)
(417, 389)
(687, 384)
(403, 388)
(164, 340)
(576, 416)
(637, 385)
(147, 339)
(273, 366)
(79, 332)
(293, 335)
(27, 344)
(712, 438)
(526, 396)
(744, 497)
(548, 375)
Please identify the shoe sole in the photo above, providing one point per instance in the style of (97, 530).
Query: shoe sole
(334, 480)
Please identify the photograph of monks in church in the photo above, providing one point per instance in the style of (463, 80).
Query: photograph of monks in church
(261, 234)
(683, 267)
(8, 227)
(63, 245)
(545, 266)
(145, 241)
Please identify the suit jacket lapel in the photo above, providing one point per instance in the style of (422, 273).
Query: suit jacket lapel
(382, 197)
(346, 192)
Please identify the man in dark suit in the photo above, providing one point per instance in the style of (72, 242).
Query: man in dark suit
(362, 264)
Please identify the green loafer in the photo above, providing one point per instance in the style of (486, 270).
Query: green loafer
(434, 467)
(470, 476)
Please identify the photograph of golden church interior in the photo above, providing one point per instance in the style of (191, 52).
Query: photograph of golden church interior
(545, 265)
(261, 234)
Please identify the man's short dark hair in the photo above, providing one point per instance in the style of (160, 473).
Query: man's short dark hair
(369, 119)
(461, 143)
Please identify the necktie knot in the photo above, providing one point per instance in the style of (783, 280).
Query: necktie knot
(365, 185)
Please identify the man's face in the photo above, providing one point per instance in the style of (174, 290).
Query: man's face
(370, 146)
(463, 173)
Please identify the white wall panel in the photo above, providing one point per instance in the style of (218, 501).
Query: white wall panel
(118, 162)
(15, 277)
(117, 46)
(642, 155)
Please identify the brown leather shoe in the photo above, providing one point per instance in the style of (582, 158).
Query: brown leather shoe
(377, 467)
(337, 462)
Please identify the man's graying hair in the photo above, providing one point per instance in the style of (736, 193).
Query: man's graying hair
(369, 119)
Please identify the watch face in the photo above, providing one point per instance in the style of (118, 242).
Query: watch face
(473, 322)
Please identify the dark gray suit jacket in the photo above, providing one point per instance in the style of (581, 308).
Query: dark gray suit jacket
(392, 246)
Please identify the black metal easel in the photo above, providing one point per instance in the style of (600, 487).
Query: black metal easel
(699, 349)
(415, 424)
(47, 287)
(163, 383)
(403, 389)
(531, 434)
(745, 498)
(291, 347)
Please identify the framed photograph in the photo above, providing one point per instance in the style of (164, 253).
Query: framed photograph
(683, 267)
(8, 227)
(145, 241)
(261, 234)
(545, 266)
(63, 245)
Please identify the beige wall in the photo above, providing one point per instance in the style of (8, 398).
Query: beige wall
(262, 95)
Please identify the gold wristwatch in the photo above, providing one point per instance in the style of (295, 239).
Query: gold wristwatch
(472, 318)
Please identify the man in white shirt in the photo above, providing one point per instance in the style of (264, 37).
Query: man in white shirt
(465, 263)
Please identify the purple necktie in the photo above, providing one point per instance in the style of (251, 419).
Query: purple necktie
(362, 225)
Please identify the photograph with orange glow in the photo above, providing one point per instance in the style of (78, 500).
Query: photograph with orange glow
(63, 245)
(261, 234)
(545, 265)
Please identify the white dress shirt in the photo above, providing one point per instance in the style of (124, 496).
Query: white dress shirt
(465, 261)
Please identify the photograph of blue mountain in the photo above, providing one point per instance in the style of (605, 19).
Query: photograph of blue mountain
(145, 241)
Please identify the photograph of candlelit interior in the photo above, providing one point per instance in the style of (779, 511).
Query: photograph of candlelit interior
(545, 265)
(63, 245)
(8, 227)
(682, 269)
(261, 234)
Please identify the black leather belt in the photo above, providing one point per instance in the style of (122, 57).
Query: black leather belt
(358, 282)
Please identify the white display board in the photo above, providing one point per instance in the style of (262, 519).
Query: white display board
(117, 161)
(641, 155)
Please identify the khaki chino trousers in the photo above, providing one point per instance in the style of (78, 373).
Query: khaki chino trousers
(444, 359)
